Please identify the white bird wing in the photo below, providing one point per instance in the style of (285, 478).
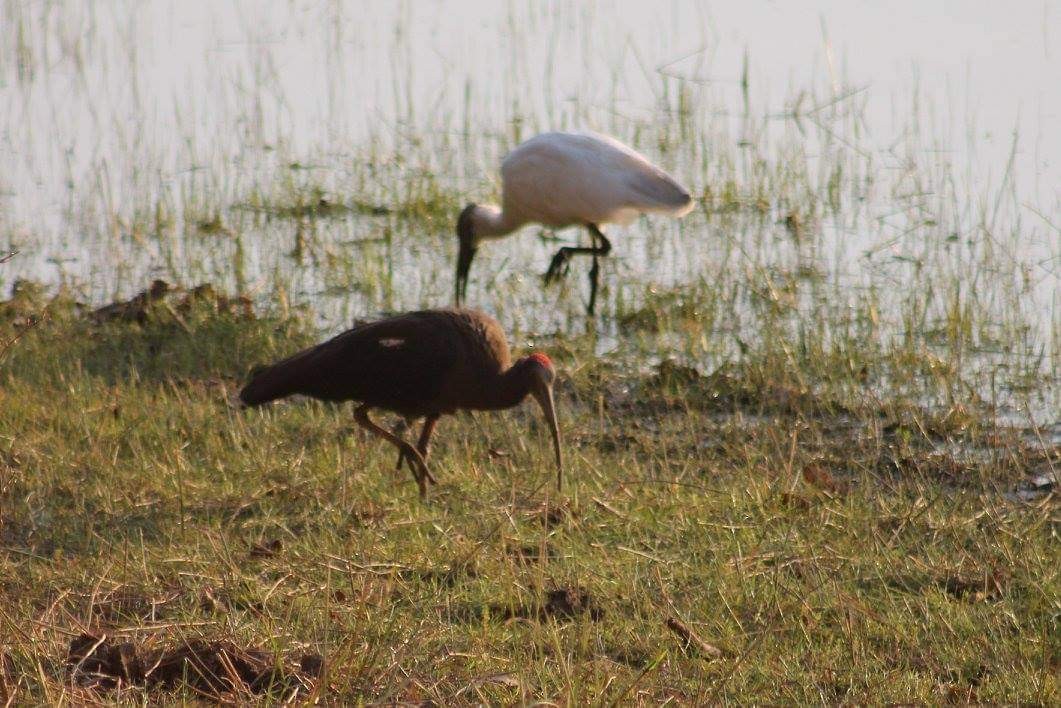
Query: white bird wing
(647, 187)
(565, 178)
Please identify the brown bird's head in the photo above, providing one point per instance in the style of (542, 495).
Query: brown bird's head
(540, 375)
(466, 252)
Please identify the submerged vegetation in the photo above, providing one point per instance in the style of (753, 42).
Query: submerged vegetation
(813, 439)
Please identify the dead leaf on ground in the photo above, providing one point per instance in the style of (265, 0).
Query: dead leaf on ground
(817, 476)
(509, 680)
(551, 515)
(266, 549)
(690, 640)
(795, 500)
(978, 587)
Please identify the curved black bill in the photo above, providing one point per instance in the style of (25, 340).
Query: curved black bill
(464, 264)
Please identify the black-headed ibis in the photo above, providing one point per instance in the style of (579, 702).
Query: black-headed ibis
(566, 179)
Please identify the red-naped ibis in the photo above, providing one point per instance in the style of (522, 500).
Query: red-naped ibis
(419, 365)
(566, 179)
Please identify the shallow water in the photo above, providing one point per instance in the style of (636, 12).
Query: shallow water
(923, 135)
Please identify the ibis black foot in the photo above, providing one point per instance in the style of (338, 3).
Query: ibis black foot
(558, 266)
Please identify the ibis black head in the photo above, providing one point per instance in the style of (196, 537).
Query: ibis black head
(466, 252)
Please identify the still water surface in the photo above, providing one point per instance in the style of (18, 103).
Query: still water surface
(933, 126)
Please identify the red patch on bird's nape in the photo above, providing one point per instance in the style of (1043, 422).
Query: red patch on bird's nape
(542, 359)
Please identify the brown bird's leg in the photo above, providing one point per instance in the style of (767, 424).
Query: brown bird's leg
(425, 435)
(424, 442)
(420, 471)
(558, 266)
(399, 430)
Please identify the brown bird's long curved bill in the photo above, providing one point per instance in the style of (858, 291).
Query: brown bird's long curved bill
(544, 395)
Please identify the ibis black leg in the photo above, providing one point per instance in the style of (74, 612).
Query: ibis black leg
(594, 278)
(416, 460)
(559, 264)
(602, 248)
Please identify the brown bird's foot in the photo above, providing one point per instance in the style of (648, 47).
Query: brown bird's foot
(421, 447)
(421, 473)
(407, 451)
(412, 466)
(402, 457)
(418, 473)
(398, 430)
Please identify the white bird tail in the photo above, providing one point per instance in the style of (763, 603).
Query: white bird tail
(660, 193)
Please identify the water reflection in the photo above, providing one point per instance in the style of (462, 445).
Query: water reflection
(862, 143)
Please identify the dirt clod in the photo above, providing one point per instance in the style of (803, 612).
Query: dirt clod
(135, 309)
(311, 665)
(207, 296)
(571, 602)
(672, 373)
(529, 554)
(98, 663)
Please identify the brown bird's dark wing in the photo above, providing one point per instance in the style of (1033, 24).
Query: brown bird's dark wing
(400, 364)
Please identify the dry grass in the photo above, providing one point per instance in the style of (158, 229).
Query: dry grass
(830, 546)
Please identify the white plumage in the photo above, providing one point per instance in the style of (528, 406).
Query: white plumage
(560, 179)
(565, 179)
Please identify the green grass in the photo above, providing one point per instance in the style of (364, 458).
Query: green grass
(834, 544)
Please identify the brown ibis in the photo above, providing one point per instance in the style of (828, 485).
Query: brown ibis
(419, 365)
(566, 179)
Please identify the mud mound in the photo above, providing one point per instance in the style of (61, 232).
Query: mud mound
(161, 298)
(217, 669)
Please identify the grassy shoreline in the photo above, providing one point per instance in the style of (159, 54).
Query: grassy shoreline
(832, 544)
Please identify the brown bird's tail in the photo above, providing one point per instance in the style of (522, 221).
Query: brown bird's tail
(269, 383)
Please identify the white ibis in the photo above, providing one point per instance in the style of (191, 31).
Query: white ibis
(567, 179)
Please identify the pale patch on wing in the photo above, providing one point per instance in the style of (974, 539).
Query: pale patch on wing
(391, 342)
